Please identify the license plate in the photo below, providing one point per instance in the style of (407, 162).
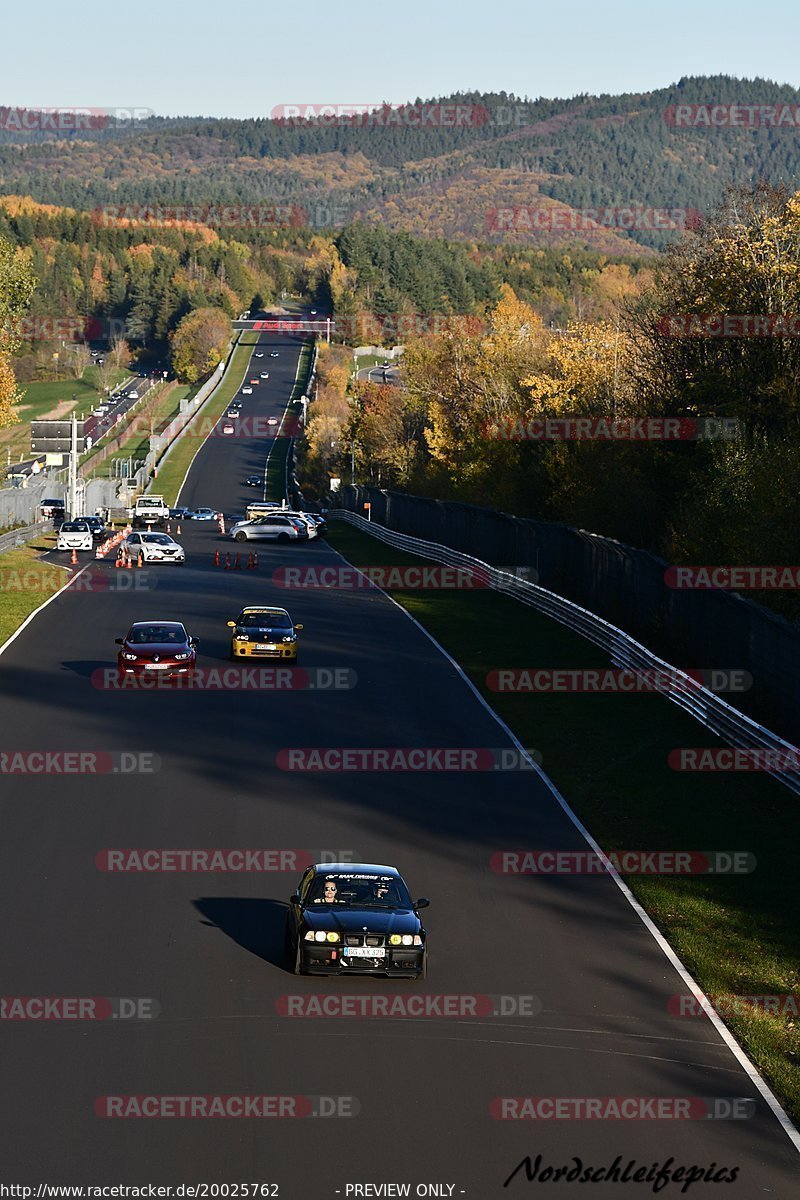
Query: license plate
(157, 667)
(266, 646)
(365, 951)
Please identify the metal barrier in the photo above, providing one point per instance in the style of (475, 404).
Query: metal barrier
(732, 726)
(18, 537)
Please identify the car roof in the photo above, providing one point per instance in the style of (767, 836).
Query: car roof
(355, 869)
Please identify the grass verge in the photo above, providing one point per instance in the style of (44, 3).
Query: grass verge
(26, 581)
(607, 753)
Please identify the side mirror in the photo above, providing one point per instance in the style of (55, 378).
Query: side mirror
(193, 642)
(297, 628)
(294, 898)
(118, 642)
(423, 902)
(231, 624)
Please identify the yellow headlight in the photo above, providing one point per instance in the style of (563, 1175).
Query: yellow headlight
(333, 937)
(395, 939)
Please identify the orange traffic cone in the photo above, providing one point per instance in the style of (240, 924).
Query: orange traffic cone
(74, 558)
(216, 559)
(128, 562)
(255, 560)
(178, 530)
(169, 527)
(250, 561)
(140, 559)
(237, 566)
(228, 561)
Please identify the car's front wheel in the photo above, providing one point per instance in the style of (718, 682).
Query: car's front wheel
(241, 536)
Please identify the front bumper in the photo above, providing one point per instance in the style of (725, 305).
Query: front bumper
(322, 958)
(60, 545)
(170, 670)
(249, 650)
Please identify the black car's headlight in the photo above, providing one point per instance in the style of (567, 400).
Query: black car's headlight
(129, 657)
(291, 638)
(184, 654)
(405, 939)
(320, 935)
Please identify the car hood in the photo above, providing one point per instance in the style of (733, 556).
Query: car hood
(353, 920)
(162, 649)
(264, 631)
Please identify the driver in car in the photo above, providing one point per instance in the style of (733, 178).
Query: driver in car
(329, 893)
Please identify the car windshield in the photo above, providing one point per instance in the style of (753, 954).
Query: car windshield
(142, 635)
(359, 891)
(265, 620)
(74, 527)
(157, 539)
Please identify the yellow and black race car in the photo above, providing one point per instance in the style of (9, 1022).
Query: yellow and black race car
(264, 632)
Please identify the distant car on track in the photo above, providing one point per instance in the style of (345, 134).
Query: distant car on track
(156, 648)
(227, 427)
(273, 353)
(206, 514)
(254, 481)
(247, 391)
(265, 374)
(355, 919)
(272, 421)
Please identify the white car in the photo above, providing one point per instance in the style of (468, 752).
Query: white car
(154, 547)
(265, 374)
(273, 353)
(247, 391)
(133, 395)
(272, 420)
(75, 535)
(259, 355)
(233, 413)
(227, 427)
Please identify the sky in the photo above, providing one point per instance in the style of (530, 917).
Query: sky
(211, 59)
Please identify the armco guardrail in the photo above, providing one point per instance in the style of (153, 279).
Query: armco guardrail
(18, 537)
(723, 719)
